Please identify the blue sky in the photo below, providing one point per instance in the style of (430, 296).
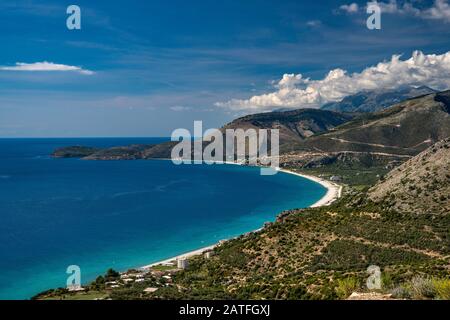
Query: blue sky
(160, 65)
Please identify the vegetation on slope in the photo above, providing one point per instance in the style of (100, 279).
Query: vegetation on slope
(314, 253)
(425, 177)
(404, 129)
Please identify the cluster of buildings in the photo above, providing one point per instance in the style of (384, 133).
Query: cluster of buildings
(126, 278)
(155, 276)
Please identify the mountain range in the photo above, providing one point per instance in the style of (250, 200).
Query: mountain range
(406, 128)
(376, 100)
(294, 125)
(393, 134)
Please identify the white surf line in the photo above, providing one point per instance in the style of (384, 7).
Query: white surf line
(334, 192)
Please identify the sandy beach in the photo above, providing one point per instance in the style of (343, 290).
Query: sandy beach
(181, 256)
(334, 192)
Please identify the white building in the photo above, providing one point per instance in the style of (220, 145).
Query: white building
(182, 263)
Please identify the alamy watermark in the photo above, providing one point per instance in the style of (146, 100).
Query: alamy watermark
(73, 282)
(374, 20)
(240, 146)
(374, 280)
(73, 22)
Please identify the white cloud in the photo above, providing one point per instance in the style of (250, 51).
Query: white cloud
(44, 66)
(389, 7)
(440, 10)
(180, 108)
(350, 8)
(294, 91)
(314, 23)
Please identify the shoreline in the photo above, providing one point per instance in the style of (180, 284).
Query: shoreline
(334, 192)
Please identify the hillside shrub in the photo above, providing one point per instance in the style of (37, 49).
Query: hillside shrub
(346, 286)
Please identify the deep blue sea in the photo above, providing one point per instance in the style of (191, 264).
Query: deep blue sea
(121, 214)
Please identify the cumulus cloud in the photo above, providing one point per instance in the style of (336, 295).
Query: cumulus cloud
(393, 7)
(440, 10)
(45, 66)
(350, 8)
(295, 91)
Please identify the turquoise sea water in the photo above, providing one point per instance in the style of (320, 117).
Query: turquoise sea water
(121, 214)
